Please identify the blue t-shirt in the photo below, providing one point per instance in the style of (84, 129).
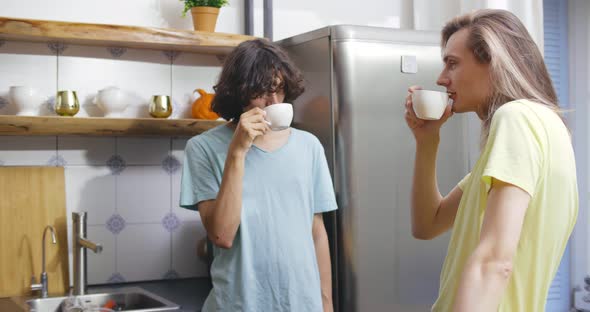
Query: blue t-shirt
(272, 265)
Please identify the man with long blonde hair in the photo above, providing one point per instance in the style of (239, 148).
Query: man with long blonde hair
(513, 213)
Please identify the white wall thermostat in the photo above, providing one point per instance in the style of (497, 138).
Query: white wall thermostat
(409, 64)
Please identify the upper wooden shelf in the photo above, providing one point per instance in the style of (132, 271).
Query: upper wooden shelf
(99, 126)
(119, 36)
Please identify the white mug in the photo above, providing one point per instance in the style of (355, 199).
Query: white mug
(279, 116)
(27, 99)
(112, 101)
(429, 104)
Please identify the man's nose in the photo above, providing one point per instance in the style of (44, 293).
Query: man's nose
(443, 80)
(272, 98)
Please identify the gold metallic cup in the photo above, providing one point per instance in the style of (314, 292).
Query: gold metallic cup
(66, 103)
(160, 106)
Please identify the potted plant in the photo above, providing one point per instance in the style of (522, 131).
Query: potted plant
(204, 13)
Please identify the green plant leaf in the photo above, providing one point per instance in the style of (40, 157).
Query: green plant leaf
(188, 4)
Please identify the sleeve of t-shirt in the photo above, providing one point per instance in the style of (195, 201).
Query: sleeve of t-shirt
(324, 198)
(463, 183)
(514, 148)
(198, 182)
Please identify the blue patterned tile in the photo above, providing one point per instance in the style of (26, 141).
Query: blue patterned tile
(221, 58)
(115, 224)
(3, 102)
(116, 278)
(170, 164)
(171, 55)
(170, 222)
(171, 274)
(175, 106)
(116, 164)
(57, 161)
(49, 107)
(50, 104)
(117, 51)
(57, 47)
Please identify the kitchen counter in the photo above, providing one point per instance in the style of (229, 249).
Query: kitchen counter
(188, 293)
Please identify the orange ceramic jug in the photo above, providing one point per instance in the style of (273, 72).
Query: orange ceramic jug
(202, 106)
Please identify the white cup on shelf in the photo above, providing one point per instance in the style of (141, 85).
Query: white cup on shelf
(27, 100)
(112, 101)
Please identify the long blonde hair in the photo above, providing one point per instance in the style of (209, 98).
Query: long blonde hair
(517, 69)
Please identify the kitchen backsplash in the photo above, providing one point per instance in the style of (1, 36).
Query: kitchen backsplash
(129, 186)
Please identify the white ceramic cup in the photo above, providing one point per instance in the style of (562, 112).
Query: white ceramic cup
(28, 100)
(112, 101)
(279, 116)
(429, 104)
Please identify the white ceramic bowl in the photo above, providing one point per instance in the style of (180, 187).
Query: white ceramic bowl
(279, 116)
(28, 100)
(112, 101)
(429, 104)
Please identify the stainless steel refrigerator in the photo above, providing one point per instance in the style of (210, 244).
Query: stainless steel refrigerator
(356, 82)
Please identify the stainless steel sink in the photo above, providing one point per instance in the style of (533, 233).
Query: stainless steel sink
(127, 299)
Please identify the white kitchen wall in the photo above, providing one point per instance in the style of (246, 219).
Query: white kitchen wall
(130, 186)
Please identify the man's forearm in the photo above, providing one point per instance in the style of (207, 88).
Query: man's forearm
(226, 216)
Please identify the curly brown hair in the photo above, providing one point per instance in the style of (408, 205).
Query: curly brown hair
(251, 70)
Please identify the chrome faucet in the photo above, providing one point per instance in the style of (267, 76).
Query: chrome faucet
(43, 285)
(79, 246)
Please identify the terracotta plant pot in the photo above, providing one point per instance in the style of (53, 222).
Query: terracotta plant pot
(205, 18)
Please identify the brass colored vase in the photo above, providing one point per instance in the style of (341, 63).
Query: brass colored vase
(160, 106)
(66, 103)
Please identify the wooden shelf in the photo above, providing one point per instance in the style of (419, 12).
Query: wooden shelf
(98, 126)
(112, 36)
(119, 36)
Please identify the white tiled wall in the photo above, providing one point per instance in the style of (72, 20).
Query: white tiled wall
(186, 79)
(146, 252)
(84, 150)
(37, 150)
(92, 189)
(27, 64)
(143, 194)
(143, 151)
(183, 245)
(128, 185)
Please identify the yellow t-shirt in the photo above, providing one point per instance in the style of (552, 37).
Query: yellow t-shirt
(529, 147)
